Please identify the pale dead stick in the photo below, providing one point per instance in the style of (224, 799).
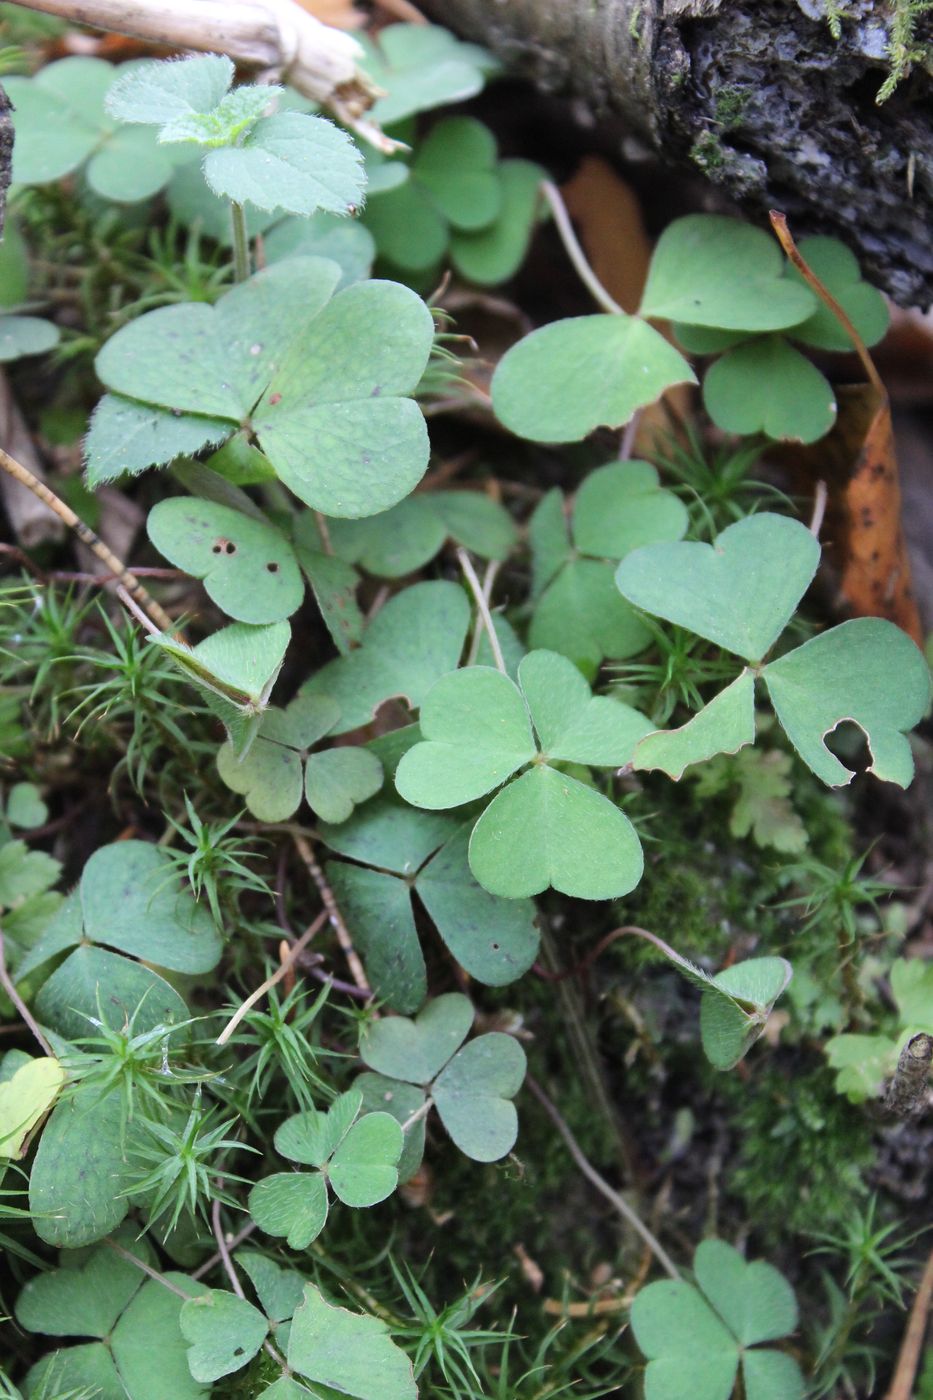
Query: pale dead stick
(128, 581)
(902, 1384)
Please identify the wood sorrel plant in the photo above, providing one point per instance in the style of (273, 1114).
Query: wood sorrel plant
(288, 409)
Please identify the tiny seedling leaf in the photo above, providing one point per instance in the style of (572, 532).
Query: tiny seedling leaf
(291, 162)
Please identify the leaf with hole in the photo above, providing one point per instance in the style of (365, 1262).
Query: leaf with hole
(739, 592)
(415, 638)
(249, 569)
(709, 270)
(697, 1338)
(563, 381)
(865, 672)
(473, 1096)
(224, 1332)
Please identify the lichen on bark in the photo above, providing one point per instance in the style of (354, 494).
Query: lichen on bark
(759, 96)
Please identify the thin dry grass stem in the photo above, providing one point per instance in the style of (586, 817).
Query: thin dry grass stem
(482, 607)
(292, 956)
(306, 852)
(8, 985)
(602, 1186)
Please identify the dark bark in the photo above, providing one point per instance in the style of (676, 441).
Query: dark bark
(758, 96)
(6, 153)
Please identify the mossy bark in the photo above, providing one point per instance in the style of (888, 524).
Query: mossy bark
(759, 96)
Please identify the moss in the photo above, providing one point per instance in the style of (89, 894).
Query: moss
(803, 1153)
(708, 152)
(730, 105)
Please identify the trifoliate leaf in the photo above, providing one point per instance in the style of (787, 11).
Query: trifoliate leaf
(312, 1136)
(622, 506)
(582, 615)
(708, 270)
(739, 592)
(381, 1094)
(866, 671)
(279, 1289)
(566, 379)
(697, 1338)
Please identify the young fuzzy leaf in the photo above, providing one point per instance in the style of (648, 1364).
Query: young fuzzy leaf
(415, 638)
(739, 592)
(249, 569)
(696, 1338)
(866, 671)
(351, 1353)
(224, 1333)
(767, 386)
(709, 270)
(293, 162)
(561, 382)
(473, 1096)
(155, 93)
